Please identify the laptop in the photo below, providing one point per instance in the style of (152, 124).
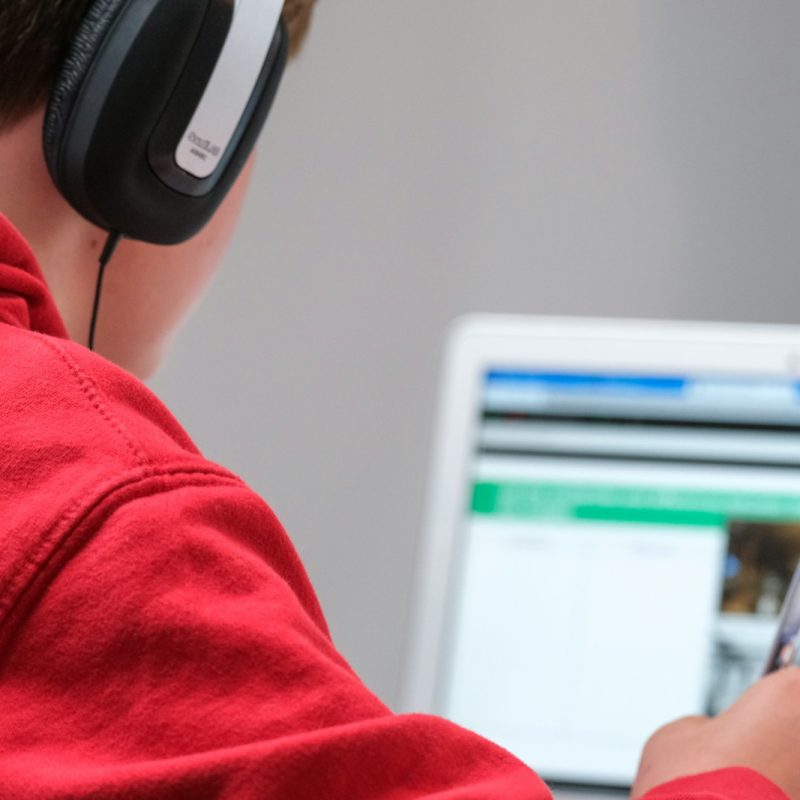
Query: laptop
(614, 521)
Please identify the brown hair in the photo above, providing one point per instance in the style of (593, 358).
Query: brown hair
(35, 33)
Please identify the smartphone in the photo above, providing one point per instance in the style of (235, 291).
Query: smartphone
(785, 650)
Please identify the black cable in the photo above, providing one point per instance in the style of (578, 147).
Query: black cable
(108, 253)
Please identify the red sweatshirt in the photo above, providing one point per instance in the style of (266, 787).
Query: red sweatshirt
(159, 637)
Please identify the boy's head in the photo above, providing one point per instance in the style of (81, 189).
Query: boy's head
(149, 289)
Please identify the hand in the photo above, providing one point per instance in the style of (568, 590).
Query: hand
(761, 731)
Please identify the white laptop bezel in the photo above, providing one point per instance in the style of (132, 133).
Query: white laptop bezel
(479, 343)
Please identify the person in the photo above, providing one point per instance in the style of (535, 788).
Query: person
(159, 637)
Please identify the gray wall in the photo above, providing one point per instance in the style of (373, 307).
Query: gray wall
(428, 159)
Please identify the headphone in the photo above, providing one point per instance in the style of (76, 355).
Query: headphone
(156, 108)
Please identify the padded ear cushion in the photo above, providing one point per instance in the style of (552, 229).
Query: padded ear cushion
(85, 44)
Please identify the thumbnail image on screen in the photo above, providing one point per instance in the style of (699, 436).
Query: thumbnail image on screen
(759, 566)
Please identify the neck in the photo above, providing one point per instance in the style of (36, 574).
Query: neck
(66, 246)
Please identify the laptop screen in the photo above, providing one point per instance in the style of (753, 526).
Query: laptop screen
(622, 560)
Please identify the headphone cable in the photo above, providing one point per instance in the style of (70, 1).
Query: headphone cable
(112, 242)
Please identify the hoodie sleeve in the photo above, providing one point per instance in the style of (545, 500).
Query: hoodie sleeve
(727, 784)
(179, 652)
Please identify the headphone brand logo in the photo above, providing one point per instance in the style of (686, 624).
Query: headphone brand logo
(205, 145)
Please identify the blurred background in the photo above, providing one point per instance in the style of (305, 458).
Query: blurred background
(424, 160)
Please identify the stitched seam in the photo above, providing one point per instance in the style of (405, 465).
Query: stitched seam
(61, 532)
(95, 398)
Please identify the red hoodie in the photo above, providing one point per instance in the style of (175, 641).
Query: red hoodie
(159, 637)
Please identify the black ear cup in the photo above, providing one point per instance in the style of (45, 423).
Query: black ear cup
(123, 105)
(91, 32)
